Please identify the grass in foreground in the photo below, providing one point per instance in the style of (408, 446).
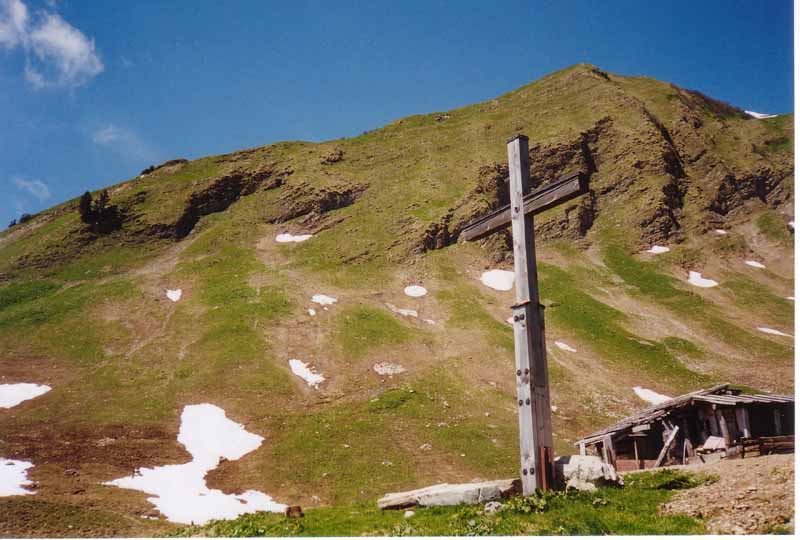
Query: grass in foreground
(630, 510)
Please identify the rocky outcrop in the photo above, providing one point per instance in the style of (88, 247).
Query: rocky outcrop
(734, 191)
(221, 193)
(171, 166)
(335, 155)
(314, 202)
(549, 162)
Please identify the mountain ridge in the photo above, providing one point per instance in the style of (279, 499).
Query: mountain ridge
(86, 312)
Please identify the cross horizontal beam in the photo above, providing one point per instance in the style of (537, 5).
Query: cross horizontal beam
(565, 188)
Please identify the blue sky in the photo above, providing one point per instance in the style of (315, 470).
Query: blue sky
(93, 92)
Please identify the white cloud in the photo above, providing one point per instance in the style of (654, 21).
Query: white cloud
(72, 54)
(107, 135)
(13, 22)
(34, 78)
(33, 187)
(124, 142)
(57, 53)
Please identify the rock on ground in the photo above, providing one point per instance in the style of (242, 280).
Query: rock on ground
(451, 494)
(752, 496)
(585, 473)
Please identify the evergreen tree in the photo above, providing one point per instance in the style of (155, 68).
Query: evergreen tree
(85, 207)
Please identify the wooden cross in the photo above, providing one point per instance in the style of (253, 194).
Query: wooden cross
(533, 390)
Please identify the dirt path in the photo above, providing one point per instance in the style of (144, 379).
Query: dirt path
(752, 496)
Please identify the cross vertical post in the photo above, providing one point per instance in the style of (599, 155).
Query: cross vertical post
(533, 390)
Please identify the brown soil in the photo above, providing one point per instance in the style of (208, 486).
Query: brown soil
(70, 467)
(752, 496)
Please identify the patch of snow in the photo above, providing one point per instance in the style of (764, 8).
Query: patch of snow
(773, 331)
(415, 291)
(499, 280)
(430, 321)
(312, 311)
(760, 116)
(323, 300)
(564, 346)
(657, 249)
(403, 312)
(387, 368)
(754, 264)
(651, 397)
(696, 279)
(14, 477)
(180, 491)
(12, 395)
(305, 372)
(791, 224)
(720, 231)
(553, 408)
(174, 294)
(285, 238)
(790, 298)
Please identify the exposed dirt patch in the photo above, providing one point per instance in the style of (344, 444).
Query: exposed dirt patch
(752, 496)
(70, 464)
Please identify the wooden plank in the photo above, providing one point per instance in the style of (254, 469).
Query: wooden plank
(723, 427)
(665, 449)
(776, 417)
(533, 394)
(743, 421)
(565, 188)
(609, 453)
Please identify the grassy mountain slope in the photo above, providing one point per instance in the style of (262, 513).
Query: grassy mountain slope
(86, 313)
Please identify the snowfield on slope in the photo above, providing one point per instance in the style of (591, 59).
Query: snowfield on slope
(174, 294)
(306, 372)
(14, 477)
(14, 473)
(180, 492)
(499, 280)
(650, 396)
(564, 346)
(697, 279)
(415, 291)
(12, 395)
(773, 332)
(286, 238)
(760, 116)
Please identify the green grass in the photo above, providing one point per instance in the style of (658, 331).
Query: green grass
(759, 300)
(236, 315)
(467, 311)
(602, 328)
(361, 329)
(328, 452)
(25, 291)
(58, 321)
(651, 283)
(681, 346)
(633, 510)
(771, 225)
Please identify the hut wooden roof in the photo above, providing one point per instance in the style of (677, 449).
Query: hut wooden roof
(719, 395)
